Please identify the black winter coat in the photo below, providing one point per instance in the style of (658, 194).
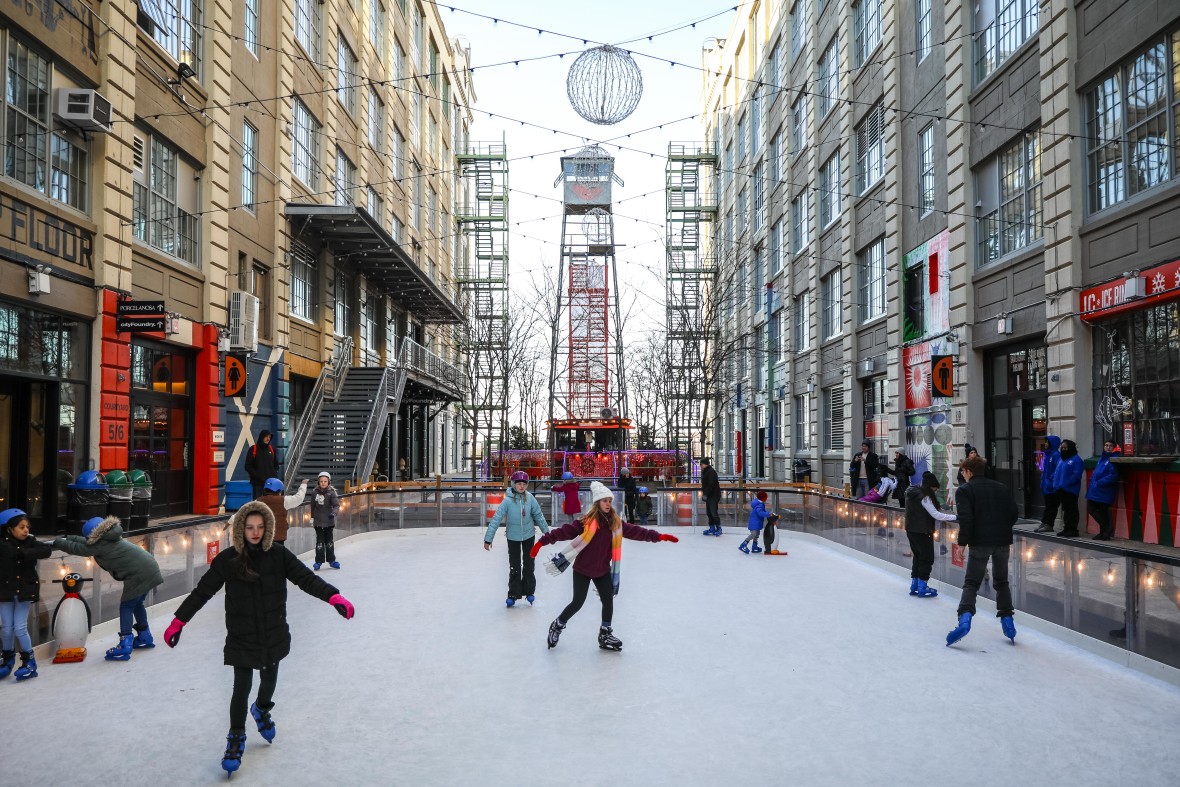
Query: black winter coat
(628, 485)
(903, 471)
(986, 512)
(710, 483)
(262, 462)
(256, 631)
(18, 567)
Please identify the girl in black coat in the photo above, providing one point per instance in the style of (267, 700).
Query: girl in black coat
(255, 572)
(20, 587)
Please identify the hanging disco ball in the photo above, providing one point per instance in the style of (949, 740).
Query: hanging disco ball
(604, 85)
(596, 226)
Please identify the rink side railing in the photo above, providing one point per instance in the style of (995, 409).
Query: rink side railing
(1127, 597)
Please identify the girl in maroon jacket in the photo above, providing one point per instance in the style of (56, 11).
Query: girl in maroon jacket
(571, 506)
(596, 553)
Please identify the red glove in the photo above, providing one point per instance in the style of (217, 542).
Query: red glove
(342, 605)
(668, 537)
(535, 550)
(172, 633)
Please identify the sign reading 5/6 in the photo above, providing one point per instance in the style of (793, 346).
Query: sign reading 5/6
(116, 431)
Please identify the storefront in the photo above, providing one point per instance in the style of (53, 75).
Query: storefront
(162, 424)
(1017, 408)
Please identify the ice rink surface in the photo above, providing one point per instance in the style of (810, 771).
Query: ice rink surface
(811, 669)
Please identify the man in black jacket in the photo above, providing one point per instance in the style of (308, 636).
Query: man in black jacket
(262, 462)
(987, 514)
(711, 491)
(864, 470)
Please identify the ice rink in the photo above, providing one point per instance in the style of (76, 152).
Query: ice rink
(811, 669)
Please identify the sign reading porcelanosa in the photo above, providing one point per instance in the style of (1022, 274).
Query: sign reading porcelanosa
(29, 230)
(1161, 283)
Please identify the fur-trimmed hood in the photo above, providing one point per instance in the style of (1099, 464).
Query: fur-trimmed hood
(109, 525)
(237, 525)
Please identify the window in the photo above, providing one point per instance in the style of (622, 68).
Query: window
(376, 120)
(759, 364)
(54, 162)
(374, 204)
(1001, 26)
(799, 124)
(1131, 134)
(399, 61)
(305, 152)
(176, 26)
(741, 140)
(875, 423)
(741, 211)
(870, 148)
(926, 169)
(416, 122)
(249, 165)
(1009, 187)
(922, 8)
(828, 78)
(397, 229)
(345, 179)
(776, 248)
(346, 75)
(416, 205)
(871, 263)
(368, 326)
(304, 276)
(830, 316)
(772, 64)
(250, 26)
(759, 201)
(377, 26)
(799, 26)
(866, 27)
(729, 166)
(416, 41)
(755, 123)
(775, 160)
(431, 210)
(1137, 379)
(834, 418)
(343, 310)
(434, 75)
(308, 23)
(802, 438)
(164, 203)
(254, 278)
(399, 154)
(801, 331)
(800, 222)
(829, 191)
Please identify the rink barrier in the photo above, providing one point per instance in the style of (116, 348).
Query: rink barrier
(1115, 592)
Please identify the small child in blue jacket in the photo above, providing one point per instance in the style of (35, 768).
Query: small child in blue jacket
(758, 517)
(520, 513)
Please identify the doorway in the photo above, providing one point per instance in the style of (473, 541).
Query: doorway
(161, 425)
(1018, 422)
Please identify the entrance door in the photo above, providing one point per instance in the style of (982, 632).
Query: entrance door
(1017, 422)
(160, 446)
(28, 479)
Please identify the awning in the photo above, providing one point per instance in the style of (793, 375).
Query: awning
(351, 231)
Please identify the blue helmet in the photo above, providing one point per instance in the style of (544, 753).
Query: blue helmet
(567, 476)
(273, 485)
(10, 516)
(91, 523)
(643, 490)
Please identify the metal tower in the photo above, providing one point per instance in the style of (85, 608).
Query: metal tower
(482, 214)
(690, 188)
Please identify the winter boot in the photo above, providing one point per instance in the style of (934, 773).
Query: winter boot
(28, 666)
(334, 564)
(960, 630)
(316, 566)
(7, 661)
(266, 725)
(607, 640)
(531, 599)
(143, 638)
(755, 548)
(914, 586)
(1009, 627)
(1044, 529)
(717, 530)
(555, 629)
(924, 590)
(122, 651)
(510, 601)
(708, 531)
(235, 744)
(742, 546)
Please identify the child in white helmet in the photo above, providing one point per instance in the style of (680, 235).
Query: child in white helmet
(325, 505)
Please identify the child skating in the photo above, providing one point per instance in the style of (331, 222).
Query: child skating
(757, 521)
(521, 514)
(102, 539)
(325, 505)
(643, 507)
(255, 572)
(596, 553)
(571, 505)
(20, 588)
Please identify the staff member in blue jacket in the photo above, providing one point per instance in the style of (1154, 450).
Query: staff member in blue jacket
(1051, 458)
(521, 515)
(1104, 484)
(1068, 481)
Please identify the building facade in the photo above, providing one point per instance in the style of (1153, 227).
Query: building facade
(202, 202)
(942, 223)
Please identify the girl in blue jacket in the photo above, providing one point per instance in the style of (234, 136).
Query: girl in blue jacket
(758, 517)
(521, 514)
(1104, 483)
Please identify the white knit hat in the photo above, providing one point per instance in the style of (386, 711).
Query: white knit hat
(598, 491)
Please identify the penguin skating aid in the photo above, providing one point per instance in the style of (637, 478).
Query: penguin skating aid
(71, 621)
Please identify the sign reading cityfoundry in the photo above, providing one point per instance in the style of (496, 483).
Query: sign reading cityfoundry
(1162, 284)
(139, 316)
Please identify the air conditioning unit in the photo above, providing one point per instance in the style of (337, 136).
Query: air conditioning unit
(243, 321)
(83, 108)
(609, 412)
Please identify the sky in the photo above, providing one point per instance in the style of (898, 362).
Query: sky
(535, 92)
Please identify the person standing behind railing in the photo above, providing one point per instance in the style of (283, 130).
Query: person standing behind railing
(1051, 458)
(1068, 480)
(1104, 483)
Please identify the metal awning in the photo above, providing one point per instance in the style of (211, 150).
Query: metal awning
(349, 230)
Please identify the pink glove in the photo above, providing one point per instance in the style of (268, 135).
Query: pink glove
(669, 537)
(342, 605)
(172, 633)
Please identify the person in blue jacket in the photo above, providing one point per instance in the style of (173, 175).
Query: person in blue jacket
(758, 517)
(520, 513)
(1048, 473)
(1104, 484)
(1068, 480)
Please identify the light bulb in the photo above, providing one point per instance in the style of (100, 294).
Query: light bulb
(1110, 575)
(1150, 580)
(1028, 553)
(1081, 566)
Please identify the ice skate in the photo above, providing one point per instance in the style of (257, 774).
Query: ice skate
(27, 668)
(961, 630)
(122, 651)
(924, 590)
(1009, 627)
(607, 640)
(266, 725)
(555, 629)
(755, 549)
(510, 601)
(7, 661)
(143, 638)
(530, 599)
(742, 546)
(235, 744)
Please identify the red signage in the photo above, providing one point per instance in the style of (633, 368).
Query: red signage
(958, 555)
(211, 550)
(1162, 283)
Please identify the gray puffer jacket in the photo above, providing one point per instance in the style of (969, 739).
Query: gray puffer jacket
(325, 505)
(127, 563)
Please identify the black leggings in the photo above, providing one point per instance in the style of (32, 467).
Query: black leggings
(581, 587)
(239, 702)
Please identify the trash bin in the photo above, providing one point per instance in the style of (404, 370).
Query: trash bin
(141, 499)
(237, 494)
(801, 471)
(86, 498)
(119, 496)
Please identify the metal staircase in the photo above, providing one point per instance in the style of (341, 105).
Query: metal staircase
(327, 386)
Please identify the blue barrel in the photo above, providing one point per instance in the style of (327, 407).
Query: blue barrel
(237, 494)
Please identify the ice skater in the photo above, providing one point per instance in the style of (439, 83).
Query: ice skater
(20, 588)
(521, 515)
(279, 504)
(643, 506)
(255, 572)
(758, 517)
(921, 512)
(102, 539)
(325, 505)
(595, 558)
